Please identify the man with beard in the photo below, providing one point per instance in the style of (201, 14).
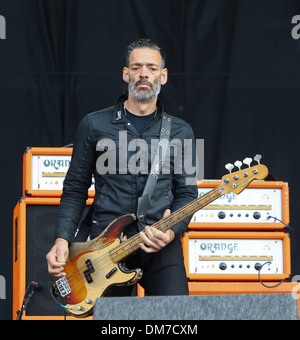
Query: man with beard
(138, 116)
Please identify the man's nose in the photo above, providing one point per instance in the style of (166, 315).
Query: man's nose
(144, 72)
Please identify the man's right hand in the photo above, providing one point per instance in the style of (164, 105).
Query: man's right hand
(56, 258)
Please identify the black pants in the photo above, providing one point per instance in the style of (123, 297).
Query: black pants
(163, 272)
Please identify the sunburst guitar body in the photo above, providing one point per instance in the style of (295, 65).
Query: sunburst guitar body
(92, 267)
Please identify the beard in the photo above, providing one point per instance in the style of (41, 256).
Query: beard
(144, 94)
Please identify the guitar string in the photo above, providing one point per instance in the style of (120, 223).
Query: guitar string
(212, 195)
(95, 262)
(107, 257)
(79, 271)
(136, 239)
(102, 261)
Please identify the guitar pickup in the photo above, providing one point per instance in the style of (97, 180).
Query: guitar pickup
(111, 272)
(90, 269)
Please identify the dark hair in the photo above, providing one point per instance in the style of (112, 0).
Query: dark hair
(140, 43)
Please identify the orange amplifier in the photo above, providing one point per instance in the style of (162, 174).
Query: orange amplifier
(237, 256)
(34, 223)
(44, 171)
(262, 205)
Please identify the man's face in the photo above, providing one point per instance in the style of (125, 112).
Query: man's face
(144, 74)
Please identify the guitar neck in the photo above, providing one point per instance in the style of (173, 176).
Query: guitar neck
(130, 246)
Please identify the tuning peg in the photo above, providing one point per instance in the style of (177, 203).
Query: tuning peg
(257, 158)
(238, 164)
(247, 161)
(229, 167)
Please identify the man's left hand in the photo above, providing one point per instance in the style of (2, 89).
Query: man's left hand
(154, 240)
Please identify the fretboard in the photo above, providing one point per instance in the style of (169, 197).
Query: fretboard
(131, 245)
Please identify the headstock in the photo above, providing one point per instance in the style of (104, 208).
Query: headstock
(236, 182)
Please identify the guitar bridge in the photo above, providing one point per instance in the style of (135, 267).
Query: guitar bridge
(63, 287)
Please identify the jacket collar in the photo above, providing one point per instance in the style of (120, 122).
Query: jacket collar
(119, 115)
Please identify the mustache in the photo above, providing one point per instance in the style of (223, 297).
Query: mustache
(143, 81)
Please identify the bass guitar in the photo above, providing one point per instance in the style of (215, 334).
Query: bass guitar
(92, 267)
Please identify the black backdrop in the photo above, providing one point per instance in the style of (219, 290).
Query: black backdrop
(233, 74)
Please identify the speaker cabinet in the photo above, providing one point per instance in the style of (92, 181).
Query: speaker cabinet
(33, 236)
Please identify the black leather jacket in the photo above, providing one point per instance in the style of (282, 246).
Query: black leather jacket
(117, 193)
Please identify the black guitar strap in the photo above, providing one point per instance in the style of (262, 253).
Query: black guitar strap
(84, 229)
(144, 200)
(156, 168)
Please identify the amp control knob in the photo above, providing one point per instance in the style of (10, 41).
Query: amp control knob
(223, 266)
(221, 215)
(257, 266)
(256, 215)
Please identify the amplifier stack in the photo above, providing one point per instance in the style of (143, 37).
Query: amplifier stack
(239, 244)
(240, 237)
(34, 220)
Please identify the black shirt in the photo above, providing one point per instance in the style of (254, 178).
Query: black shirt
(140, 122)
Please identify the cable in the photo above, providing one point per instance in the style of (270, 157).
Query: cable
(279, 283)
(54, 296)
(287, 226)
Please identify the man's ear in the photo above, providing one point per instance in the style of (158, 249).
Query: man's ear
(164, 76)
(125, 75)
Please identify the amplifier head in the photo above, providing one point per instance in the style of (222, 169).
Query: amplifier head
(235, 256)
(44, 171)
(262, 205)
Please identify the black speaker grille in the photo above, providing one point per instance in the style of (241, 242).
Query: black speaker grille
(40, 229)
(40, 232)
